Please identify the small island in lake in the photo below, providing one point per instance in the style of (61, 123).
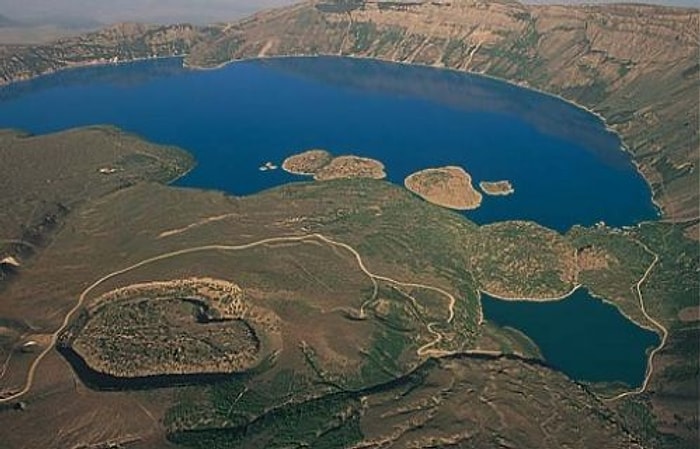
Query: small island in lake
(323, 166)
(307, 163)
(449, 187)
(497, 188)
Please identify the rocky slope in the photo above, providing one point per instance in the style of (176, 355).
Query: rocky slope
(123, 42)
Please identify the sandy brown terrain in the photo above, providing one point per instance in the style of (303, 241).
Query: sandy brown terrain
(346, 167)
(323, 166)
(497, 188)
(449, 187)
(307, 163)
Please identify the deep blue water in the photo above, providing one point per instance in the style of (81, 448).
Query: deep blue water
(566, 168)
(582, 336)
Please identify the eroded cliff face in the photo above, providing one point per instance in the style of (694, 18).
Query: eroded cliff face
(122, 42)
(636, 65)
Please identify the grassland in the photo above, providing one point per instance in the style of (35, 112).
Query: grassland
(48, 176)
(472, 402)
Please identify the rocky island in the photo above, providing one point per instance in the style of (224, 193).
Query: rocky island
(343, 167)
(497, 188)
(307, 163)
(449, 187)
(323, 166)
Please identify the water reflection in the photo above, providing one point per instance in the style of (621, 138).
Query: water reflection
(466, 92)
(584, 337)
(566, 168)
(127, 75)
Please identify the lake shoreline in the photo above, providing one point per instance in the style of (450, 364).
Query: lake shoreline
(539, 299)
(183, 57)
(544, 327)
(567, 296)
(599, 116)
(643, 216)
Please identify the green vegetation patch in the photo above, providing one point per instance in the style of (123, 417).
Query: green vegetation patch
(675, 278)
(523, 260)
(364, 34)
(611, 262)
(164, 336)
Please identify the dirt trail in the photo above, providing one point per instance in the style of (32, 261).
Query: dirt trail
(272, 240)
(664, 332)
(425, 350)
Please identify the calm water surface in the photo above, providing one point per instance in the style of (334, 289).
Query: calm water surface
(581, 335)
(566, 168)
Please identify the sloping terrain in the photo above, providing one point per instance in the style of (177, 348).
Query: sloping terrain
(485, 403)
(46, 177)
(122, 42)
(355, 294)
(361, 297)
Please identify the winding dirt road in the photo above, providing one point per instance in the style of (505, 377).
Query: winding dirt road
(425, 350)
(31, 373)
(664, 332)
